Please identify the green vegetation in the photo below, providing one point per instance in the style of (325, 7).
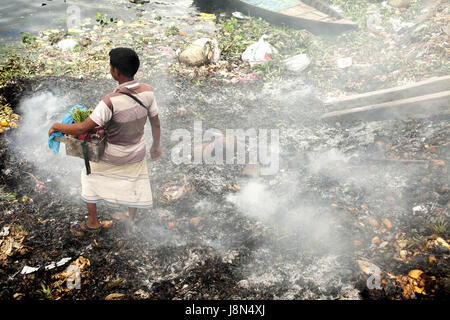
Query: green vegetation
(172, 31)
(78, 48)
(355, 9)
(102, 19)
(416, 242)
(79, 115)
(8, 197)
(271, 71)
(235, 36)
(439, 227)
(12, 67)
(27, 38)
(45, 292)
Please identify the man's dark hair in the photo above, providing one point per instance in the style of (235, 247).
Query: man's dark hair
(125, 60)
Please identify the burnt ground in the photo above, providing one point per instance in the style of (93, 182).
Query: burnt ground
(293, 235)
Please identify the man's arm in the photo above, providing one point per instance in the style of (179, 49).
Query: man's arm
(74, 128)
(155, 151)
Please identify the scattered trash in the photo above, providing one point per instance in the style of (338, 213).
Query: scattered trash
(18, 296)
(399, 3)
(374, 223)
(4, 232)
(26, 199)
(200, 52)
(166, 52)
(366, 266)
(28, 270)
(239, 15)
(297, 63)
(181, 111)
(72, 274)
(374, 21)
(39, 184)
(50, 267)
(415, 274)
(85, 42)
(164, 214)
(232, 69)
(387, 223)
(398, 25)
(419, 209)
(12, 244)
(259, 52)
(344, 62)
(60, 263)
(142, 294)
(439, 242)
(233, 187)
(140, 1)
(175, 190)
(248, 77)
(67, 44)
(171, 224)
(195, 221)
(115, 296)
(207, 16)
(107, 224)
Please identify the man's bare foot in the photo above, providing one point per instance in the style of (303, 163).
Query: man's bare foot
(130, 225)
(90, 225)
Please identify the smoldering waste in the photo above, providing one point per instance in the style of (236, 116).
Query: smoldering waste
(356, 210)
(219, 233)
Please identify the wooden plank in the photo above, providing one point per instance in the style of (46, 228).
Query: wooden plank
(433, 85)
(305, 11)
(416, 107)
(317, 26)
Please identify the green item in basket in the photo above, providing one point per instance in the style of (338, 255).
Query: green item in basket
(79, 115)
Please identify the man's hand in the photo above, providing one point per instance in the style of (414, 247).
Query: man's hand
(155, 152)
(52, 129)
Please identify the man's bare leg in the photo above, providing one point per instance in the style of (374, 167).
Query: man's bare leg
(132, 213)
(92, 222)
(131, 218)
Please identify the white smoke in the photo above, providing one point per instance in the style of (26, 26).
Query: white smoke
(30, 141)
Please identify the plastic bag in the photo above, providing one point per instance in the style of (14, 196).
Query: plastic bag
(259, 52)
(67, 44)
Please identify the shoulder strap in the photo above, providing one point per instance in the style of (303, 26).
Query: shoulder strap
(86, 155)
(138, 101)
(134, 98)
